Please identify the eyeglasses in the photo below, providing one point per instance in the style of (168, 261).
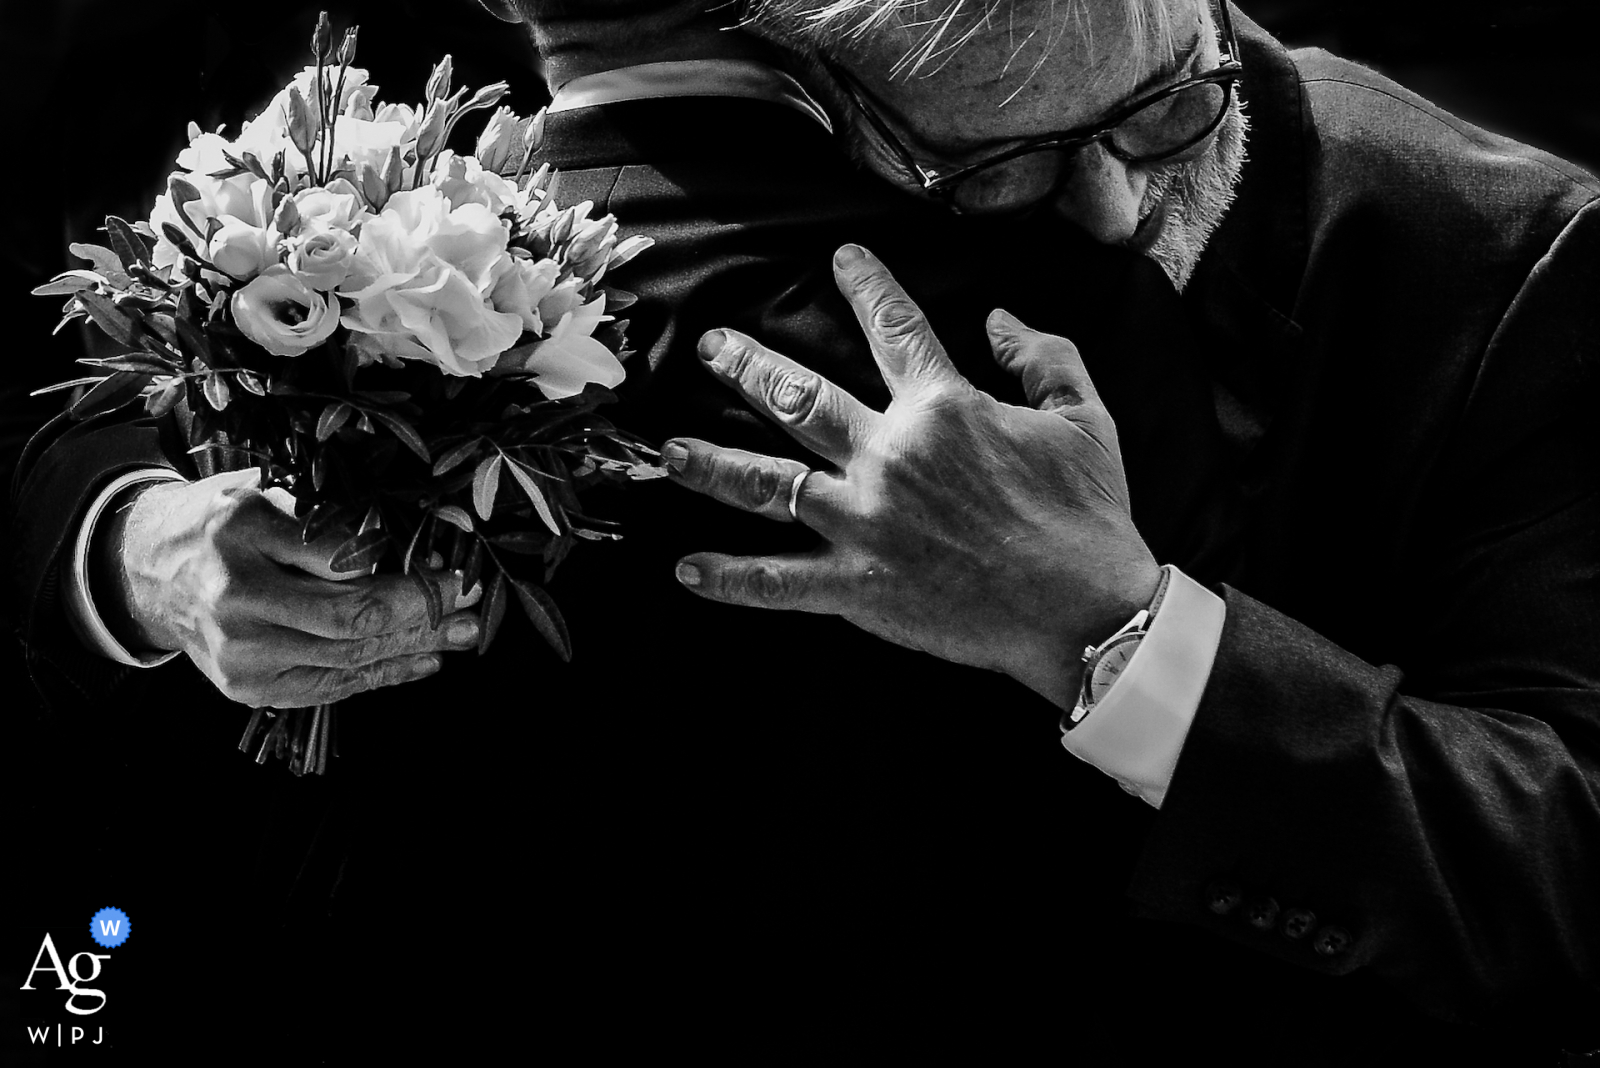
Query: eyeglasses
(1156, 127)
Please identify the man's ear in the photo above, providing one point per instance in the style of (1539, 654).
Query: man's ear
(504, 10)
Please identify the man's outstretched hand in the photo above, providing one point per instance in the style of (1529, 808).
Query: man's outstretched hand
(216, 568)
(980, 532)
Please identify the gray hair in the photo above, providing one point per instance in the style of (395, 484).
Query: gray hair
(937, 29)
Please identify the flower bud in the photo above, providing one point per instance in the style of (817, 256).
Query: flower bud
(431, 137)
(287, 216)
(373, 187)
(494, 146)
(439, 80)
(322, 39)
(302, 131)
(347, 50)
(488, 96)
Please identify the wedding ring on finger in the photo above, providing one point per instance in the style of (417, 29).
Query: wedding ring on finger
(794, 493)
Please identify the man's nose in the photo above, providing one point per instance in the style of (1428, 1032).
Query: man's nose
(1102, 195)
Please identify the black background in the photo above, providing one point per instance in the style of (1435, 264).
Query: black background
(97, 95)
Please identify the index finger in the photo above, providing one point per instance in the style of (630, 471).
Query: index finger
(367, 607)
(902, 342)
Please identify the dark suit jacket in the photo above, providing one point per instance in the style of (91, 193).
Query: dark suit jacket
(1364, 421)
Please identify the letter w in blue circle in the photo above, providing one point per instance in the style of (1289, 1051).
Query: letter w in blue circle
(109, 928)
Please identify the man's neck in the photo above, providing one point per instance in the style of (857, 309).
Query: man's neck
(574, 47)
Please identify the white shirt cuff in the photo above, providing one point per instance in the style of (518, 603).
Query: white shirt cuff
(81, 612)
(1137, 730)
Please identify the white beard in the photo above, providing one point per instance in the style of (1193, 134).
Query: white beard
(1199, 194)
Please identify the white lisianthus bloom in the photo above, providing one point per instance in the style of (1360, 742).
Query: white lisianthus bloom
(570, 357)
(204, 154)
(521, 286)
(336, 207)
(322, 258)
(242, 250)
(463, 180)
(421, 281)
(278, 312)
(244, 198)
(358, 142)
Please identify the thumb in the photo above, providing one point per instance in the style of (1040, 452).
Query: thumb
(1053, 376)
(281, 540)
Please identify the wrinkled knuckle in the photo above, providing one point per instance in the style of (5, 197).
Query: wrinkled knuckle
(770, 585)
(366, 650)
(897, 319)
(757, 486)
(793, 395)
(366, 614)
(735, 358)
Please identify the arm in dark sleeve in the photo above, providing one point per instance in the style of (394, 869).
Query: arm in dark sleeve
(1435, 819)
(60, 472)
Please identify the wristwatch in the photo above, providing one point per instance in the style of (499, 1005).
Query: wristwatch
(1104, 664)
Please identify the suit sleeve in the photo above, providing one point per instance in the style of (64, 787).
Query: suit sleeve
(60, 473)
(1435, 820)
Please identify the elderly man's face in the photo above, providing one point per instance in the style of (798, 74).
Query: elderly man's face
(1028, 76)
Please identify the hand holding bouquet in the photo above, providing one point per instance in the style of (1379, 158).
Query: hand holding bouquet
(410, 342)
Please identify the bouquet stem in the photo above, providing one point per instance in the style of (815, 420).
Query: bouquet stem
(305, 737)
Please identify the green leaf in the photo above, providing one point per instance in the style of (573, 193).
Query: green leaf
(126, 244)
(456, 456)
(431, 595)
(250, 383)
(108, 317)
(195, 342)
(472, 566)
(332, 418)
(360, 553)
(540, 505)
(405, 432)
(164, 400)
(454, 516)
(485, 483)
(524, 542)
(321, 519)
(216, 391)
(71, 383)
(132, 362)
(546, 617)
(67, 283)
(183, 193)
(121, 388)
(494, 610)
(106, 263)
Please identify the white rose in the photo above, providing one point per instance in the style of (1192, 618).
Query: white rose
(463, 180)
(521, 286)
(570, 357)
(421, 283)
(280, 314)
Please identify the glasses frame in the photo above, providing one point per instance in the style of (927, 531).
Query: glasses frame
(942, 185)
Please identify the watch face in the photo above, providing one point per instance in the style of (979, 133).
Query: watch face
(1109, 667)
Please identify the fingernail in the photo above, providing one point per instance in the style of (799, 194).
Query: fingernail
(711, 343)
(688, 574)
(1002, 321)
(462, 632)
(435, 562)
(676, 454)
(424, 665)
(849, 256)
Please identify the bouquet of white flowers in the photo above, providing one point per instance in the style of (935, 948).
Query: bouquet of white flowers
(392, 332)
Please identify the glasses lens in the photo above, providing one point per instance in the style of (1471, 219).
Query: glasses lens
(1014, 185)
(1172, 123)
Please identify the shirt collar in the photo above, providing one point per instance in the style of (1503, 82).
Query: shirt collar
(746, 78)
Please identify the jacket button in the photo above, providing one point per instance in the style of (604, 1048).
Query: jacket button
(1297, 923)
(1331, 941)
(1262, 913)
(1223, 896)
